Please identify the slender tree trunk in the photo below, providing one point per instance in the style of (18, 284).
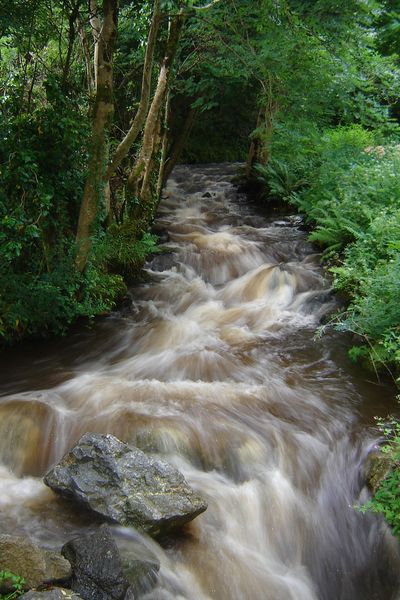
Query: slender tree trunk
(139, 180)
(165, 141)
(30, 93)
(259, 151)
(140, 117)
(96, 32)
(87, 58)
(252, 156)
(139, 170)
(178, 145)
(93, 195)
(71, 40)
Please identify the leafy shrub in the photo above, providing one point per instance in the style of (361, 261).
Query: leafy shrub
(387, 497)
(280, 181)
(296, 143)
(48, 303)
(14, 583)
(124, 249)
(340, 198)
(294, 150)
(374, 310)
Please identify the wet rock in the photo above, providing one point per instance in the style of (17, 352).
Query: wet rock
(35, 565)
(54, 594)
(163, 262)
(142, 577)
(125, 486)
(139, 562)
(97, 566)
(207, 195)
(162, 233)
(377, 468)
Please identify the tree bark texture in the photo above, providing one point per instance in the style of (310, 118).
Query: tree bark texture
(93, 195)
(87, 58)
(139, 180)
(96, 32)
(178, 146)
(72, 19)
(140, 117)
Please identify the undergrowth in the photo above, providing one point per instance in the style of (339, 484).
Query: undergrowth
(348, 189)
(386, 500)
(11, 585)
(42, 174)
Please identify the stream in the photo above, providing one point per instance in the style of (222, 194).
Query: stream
(216, 366)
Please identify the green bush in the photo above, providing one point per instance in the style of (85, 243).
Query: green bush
(293, 148)
(281, 182)
(14, 583)
(386, 499)
(124, 248)
(47, 303)
(337, 198)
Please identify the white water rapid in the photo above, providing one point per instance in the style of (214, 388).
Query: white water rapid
(216, 368)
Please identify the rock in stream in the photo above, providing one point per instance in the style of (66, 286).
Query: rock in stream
(36, 565)
(125, 486)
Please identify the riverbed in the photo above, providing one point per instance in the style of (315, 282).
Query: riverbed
(216, 363)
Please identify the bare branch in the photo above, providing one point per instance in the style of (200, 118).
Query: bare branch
(206, 6)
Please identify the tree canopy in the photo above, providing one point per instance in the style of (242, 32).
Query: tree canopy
(100, 99)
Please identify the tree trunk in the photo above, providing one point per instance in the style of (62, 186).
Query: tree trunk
(71, 40)
(140, 117)
(96, 32)
(139, 180)
(165, 141)
(178, 145)
(87, 58)
(93, 195)
(254, 149)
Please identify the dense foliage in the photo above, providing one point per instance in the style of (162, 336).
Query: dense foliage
(11, 585)
(348, 188)
(46, 112)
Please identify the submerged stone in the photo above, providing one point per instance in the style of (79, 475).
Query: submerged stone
(125, 486)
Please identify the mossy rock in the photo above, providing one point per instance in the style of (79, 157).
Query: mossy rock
(377, 468)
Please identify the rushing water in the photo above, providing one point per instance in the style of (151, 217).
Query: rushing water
(216, 367)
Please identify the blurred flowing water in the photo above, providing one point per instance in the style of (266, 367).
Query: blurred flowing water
(216, 367)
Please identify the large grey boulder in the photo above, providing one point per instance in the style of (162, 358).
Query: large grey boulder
(34, 564)
(54, 594)
(125, 486)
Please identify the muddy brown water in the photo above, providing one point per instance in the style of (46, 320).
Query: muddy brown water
(216, 367)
